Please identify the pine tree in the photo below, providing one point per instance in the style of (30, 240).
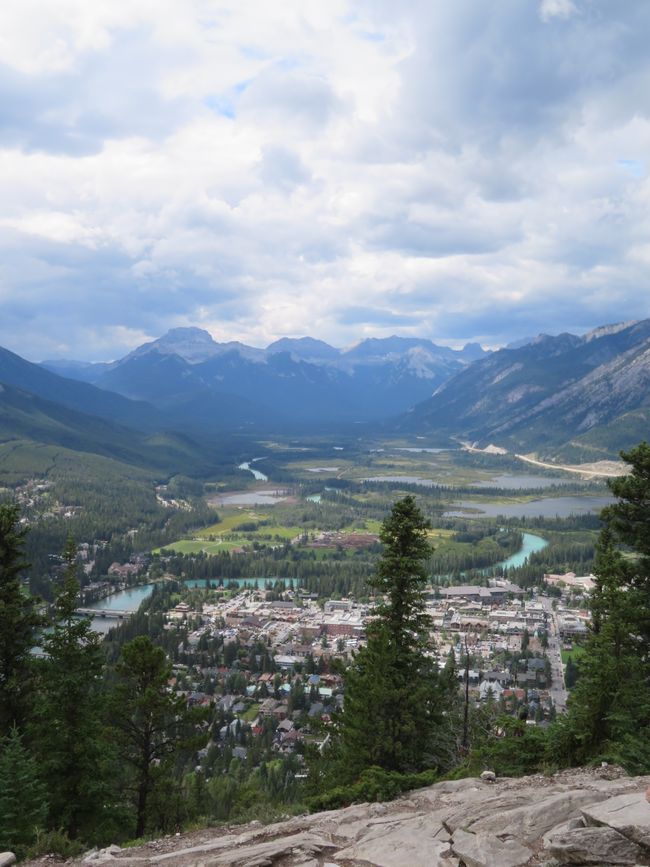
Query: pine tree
(609, 709)
(19, 622)
(150, 723)
(23, 804)
(393, 701)
(68, 722)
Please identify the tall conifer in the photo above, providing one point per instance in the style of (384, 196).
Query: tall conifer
(19, 622)
(68, 719)
(393, 700)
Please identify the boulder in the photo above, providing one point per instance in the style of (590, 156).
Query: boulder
(7, 859)
(488, 776)
(627, 814)
(486, 850)
(595, 845)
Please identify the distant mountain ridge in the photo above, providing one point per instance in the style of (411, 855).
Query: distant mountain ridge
(188, 374)
(567, 395)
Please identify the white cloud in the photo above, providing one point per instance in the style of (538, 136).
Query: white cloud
(457, 170)
(556, 9)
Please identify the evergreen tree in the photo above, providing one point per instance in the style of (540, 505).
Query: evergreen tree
(23, 804)
(19, 621)
(393, 701)
(68, 722)
(609, 709)
(150, 723)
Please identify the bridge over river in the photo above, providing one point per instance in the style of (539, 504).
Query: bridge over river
(115, 613)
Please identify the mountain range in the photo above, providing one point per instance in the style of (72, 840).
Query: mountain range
(576, 397)
(186, 374)
(568, 396)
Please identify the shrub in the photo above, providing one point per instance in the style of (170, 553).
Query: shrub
(374, 784)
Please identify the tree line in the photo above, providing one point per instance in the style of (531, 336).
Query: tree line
(83, 747)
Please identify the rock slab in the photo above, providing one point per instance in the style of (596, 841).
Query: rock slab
(627, 814)
(585, 816)
(487, 850)
(595, 845)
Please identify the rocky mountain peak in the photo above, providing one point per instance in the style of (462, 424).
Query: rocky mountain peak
(608, 330)
(192, 344)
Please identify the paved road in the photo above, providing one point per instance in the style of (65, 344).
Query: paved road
(558, 690)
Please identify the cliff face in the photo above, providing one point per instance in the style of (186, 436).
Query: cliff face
(588, 816)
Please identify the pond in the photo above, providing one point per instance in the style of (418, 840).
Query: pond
(250, 498)
(420, 449)
(519, 482)
(404, 480)
(547, 507)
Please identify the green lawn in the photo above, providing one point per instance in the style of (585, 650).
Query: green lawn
(195, 546)
(230, 522)
(574, 654)
(251, 713)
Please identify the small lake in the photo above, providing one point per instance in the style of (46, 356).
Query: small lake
(548, 507)
(405, 480)
(520, 482)
(419, 449)
(250, 498)
(260, 477)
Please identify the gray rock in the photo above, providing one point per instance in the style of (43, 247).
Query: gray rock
(237, 852)
(486, 850)
(627, 814)
(7, 859)
(533, 820)
(410, 843)
(101, 856)
(508, 822)
(570, 825)
(488, 776)
(477, 804)
(595, 845)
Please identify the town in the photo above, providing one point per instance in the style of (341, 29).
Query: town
(271, 659)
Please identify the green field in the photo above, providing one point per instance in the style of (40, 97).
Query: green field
(194, 546)
(251, 713)
(574, 654)
(230, 522)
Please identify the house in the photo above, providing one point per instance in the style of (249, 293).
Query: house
(489, 689)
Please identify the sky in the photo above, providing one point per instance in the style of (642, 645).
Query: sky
(474, 170)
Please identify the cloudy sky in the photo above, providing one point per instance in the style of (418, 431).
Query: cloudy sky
(466, 170)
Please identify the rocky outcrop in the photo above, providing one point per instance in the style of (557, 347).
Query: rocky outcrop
(589, 817)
